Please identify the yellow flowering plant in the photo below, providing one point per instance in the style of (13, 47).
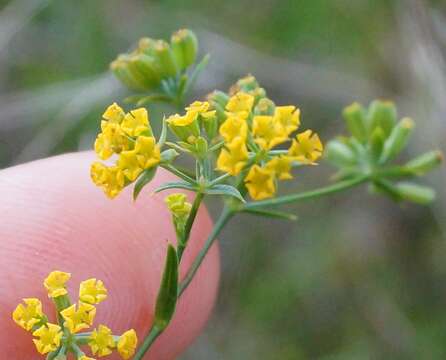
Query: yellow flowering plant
(242, 146)
(57, 340)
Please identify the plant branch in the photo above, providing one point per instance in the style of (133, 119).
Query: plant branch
(327, 190)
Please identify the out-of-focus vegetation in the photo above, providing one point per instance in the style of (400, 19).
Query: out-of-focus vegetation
(356, 277)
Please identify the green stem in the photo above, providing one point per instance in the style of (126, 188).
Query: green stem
(148, 341)
(225, 216)
(178, 173)
(327, 190)
(190, 221)
(221, 222)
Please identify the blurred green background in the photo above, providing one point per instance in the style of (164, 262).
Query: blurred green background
(356, 277)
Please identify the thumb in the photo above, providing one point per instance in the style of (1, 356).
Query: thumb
(54, 218)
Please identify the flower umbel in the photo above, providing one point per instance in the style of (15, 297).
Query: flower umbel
(66, 336)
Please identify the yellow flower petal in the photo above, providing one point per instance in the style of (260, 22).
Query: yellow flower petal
(234, 127)
(114, 113)
(127, 344)
(306, 148)
(55, 283)
(92, 291)
(28, 315)
(260, 183)
(240, 103)
(49, 337)
(287, 117)
(266, 133)
(80, 318)
(281, 166)
(101, 341)
(233, 158)
(136, 122)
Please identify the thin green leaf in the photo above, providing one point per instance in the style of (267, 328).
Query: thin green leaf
(168, 292)
(154, 98)
(272, 214)
(198, 69)
(143, 180)
(223, 189)
(217, 146)
(175, 185)
(163, 134)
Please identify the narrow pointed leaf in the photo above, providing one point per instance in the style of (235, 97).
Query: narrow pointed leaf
(168, 292)
(272, 214)
(143, 180)
(175, 185)
(222, 189)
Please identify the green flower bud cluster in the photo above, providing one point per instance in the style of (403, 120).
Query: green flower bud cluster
(377, 138)
(159, 66)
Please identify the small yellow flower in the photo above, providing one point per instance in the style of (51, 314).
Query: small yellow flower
(234, 127)
(306, 148)
(111, 140)
(281, 166)
(288, 117)
(147, 151)
(185, 120)
(202, 108)
(178, 205)
(111, 179)
(185, 127)
(101, 341)
(233, 158)
(240, 103)
(266, 132)
(136, 122)
(49, 338)
(260, 183)
(80, 319)
(55, 283)
(114, 114)
(92, 291)
(98, 173)
(115, 182)
(85, 357)
(29, 314)
(127, 344)
(129, 165)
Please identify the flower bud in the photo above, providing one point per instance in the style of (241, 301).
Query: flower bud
(397, 140)
(415, 193)
(382, 114)
(424, 163)
(376, 143)
(146, 46)
(178, 206)
(354, 116)
(264, 107)
(166, 62)
(121, 70)
(144, 68)
(340, 154)
(185, 47)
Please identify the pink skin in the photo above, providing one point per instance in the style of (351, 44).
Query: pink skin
(53, 217)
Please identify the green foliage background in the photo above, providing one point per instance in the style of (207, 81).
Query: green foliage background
(357, 277)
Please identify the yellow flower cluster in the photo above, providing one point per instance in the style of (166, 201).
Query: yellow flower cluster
(250, 133)
(73, 318)
(130, 137)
